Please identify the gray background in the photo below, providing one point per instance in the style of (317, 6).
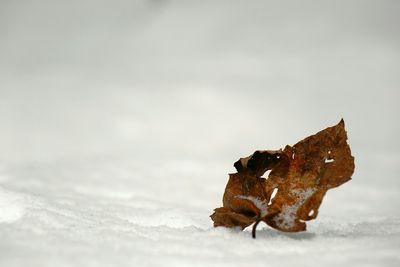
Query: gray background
(151, 102)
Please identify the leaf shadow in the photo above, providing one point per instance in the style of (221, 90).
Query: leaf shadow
(270, 234)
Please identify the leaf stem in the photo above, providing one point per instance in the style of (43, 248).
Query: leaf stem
(253, 232)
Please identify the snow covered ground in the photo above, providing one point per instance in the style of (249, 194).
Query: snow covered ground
(107, 213)
(119, 122)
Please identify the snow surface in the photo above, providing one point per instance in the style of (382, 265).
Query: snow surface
(120, 121)
(107, 214)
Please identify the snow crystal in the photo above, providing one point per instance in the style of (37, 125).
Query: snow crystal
(262, 205)
(286, 219)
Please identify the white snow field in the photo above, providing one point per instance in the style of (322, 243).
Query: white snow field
(120, 121)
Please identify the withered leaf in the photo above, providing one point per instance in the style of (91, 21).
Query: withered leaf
(299, 178)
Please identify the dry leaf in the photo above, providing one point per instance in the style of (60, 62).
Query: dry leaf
(299, 178)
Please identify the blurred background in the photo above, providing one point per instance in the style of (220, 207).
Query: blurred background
(208, 79)
(156, 99)
(197, 81)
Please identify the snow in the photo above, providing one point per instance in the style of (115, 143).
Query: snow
(119, 124)
(261, 205)
(286, 219)
(92, 214)
(12, 206)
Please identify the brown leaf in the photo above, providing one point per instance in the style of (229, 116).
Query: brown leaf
(299, 178)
